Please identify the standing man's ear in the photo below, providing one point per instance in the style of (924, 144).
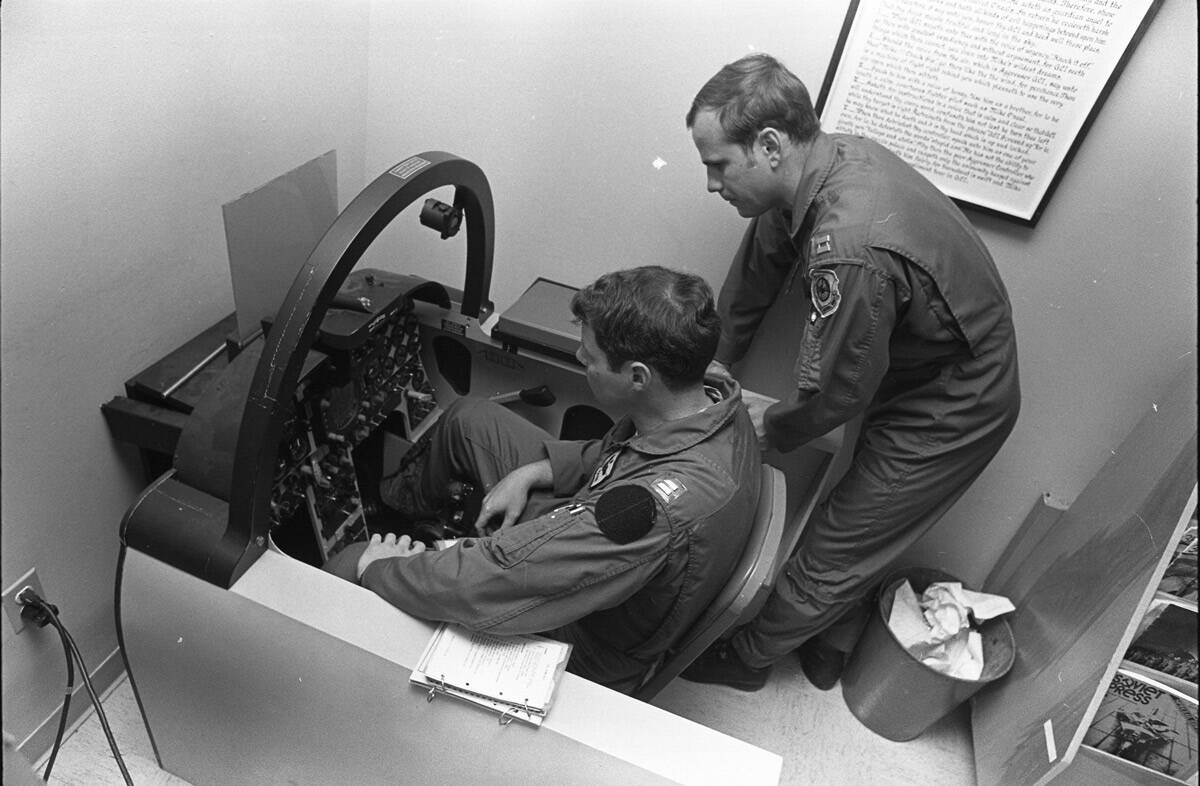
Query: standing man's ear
(772, 144)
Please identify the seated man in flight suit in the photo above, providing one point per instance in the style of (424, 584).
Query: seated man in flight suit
(614, 545)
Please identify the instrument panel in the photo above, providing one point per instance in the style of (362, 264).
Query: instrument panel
(370, 374)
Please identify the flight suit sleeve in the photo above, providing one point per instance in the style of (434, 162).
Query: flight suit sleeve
(756, 276)
(571, 462)
(536, 576)
(843, 352)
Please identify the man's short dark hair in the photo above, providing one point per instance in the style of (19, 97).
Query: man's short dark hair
(664, 318)
(753, 93)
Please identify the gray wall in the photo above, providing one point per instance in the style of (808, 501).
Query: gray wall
(126, 125)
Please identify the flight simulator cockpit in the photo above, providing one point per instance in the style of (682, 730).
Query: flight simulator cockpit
(284, 440)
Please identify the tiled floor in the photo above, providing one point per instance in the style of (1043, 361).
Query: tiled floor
(822, 744)
(87, 760)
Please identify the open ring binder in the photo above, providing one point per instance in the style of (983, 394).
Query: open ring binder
(489, 670)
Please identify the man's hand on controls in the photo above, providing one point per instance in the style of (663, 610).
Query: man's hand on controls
(506, 500)
(386, 547)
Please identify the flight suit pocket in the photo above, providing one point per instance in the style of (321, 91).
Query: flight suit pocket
(807, 370)
(519, 543)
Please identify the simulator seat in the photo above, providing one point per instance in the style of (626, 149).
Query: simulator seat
(743, 595)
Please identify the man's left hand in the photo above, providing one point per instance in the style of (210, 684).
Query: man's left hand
(386, 547)
(507, 499)
(756, 405)
(719, 370)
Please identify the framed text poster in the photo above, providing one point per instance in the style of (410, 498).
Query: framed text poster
(987, 98)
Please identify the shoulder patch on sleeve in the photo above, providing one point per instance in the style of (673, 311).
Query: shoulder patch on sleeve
(826, 291)
(625, 513)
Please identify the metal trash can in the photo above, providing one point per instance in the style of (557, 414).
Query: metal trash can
(899, 697)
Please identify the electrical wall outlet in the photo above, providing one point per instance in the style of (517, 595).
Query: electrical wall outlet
(11, 607)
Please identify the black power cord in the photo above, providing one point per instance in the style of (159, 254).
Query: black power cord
(62, 718)
(43, 613)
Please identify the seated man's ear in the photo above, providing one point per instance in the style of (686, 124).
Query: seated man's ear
(640, 375)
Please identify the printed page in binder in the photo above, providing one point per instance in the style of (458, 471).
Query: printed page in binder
(513, 675)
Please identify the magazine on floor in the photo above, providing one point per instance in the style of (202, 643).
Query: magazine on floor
(1180, 577)
(1148, 724)
(1166, 641)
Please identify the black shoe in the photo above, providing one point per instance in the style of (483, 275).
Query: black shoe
(821, 663)
(720, 665)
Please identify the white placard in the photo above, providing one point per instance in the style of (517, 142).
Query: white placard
(986, 98)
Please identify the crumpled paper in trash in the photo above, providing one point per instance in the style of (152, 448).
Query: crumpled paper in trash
(936, 628)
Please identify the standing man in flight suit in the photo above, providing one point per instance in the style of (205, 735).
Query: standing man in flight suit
(909, 324)
(615, 545)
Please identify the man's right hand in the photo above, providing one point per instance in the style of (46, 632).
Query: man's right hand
(386, 547)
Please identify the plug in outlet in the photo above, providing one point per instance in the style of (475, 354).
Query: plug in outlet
(11, 607)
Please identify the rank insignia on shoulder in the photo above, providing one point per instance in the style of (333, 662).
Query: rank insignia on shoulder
(669, 489)
(821, 244)
(604, 470)
(826, 292)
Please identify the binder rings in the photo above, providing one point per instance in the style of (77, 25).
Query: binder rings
(513, 675)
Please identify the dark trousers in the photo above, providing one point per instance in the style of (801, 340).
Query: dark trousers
(916, 455)
(475, 440)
